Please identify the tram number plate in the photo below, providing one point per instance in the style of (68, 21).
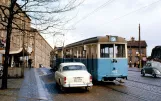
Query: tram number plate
(114, 71)
(77, 79)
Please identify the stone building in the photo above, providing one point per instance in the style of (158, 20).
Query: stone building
(133, 51)
(41, 50)
(24, 44)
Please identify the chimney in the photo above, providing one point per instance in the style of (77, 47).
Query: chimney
(132, 39)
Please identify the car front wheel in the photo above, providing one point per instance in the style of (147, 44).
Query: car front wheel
(143, 72)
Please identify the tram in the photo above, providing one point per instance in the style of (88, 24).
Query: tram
(105, 56)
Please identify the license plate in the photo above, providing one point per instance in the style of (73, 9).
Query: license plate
(77, 79)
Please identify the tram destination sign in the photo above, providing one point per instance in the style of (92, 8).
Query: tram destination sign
(113, 38)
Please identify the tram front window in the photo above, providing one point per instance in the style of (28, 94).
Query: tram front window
(106, 50)
(120, 50)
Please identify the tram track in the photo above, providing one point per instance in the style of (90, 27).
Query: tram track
(130, 92)
(144, 83)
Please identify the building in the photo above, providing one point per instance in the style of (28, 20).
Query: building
(20, 21)
(41, 50)
(24, 44)
(133, 51)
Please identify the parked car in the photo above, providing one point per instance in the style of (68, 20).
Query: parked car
(151, 67)
(73, 74)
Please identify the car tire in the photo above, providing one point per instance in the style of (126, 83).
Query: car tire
(154, 75)
(62, 88)
(88, 88)
(57, 85)
(143, 72)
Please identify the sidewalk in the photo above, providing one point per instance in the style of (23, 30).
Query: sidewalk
(11, 93)
(134, 69)
(32, 88)
(29, 88)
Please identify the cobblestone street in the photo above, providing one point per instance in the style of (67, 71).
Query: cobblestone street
(39, 85)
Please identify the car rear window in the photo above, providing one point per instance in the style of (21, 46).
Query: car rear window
(74, 67)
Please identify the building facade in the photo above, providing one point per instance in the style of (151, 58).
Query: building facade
(25, 43)
(133, 52)
(41, 50)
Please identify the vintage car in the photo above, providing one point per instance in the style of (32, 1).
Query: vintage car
(151, 67)
(73, 74)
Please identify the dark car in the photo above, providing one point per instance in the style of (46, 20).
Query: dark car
(151, 67)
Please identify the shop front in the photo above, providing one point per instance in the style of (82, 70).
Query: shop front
(17, 61)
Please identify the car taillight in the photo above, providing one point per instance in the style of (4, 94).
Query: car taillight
(90, 78)
(65, 79)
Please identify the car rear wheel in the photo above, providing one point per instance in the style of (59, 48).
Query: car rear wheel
(143, 72)
(62, 88)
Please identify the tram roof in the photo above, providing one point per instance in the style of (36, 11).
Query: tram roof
(96, 40)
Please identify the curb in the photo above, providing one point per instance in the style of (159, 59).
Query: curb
(41, 90)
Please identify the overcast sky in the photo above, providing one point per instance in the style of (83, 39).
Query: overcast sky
(115, 17)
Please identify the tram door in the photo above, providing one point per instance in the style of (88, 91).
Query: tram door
(107, 52)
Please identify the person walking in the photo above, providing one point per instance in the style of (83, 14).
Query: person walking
(29, 63)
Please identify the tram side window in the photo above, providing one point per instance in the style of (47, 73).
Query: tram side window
(106, 50)
(120, 50)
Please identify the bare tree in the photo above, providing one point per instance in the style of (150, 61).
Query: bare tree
(46, 16)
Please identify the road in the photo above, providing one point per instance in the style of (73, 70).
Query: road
(136, 88)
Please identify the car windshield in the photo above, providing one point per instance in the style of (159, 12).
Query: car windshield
(74, 67)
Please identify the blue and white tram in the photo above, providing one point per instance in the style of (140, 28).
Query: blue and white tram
(105, 57)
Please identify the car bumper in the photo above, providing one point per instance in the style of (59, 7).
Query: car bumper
(78, 85)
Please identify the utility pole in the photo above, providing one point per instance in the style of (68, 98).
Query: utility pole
(139, 49)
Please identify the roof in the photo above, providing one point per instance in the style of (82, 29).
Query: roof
(16, 52)
(96, 40)
(71, 63)
(136, 43)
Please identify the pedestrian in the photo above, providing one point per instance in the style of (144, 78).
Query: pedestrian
(29, 63)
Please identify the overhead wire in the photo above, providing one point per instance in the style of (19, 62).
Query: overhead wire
(108, 2)
(94, 11)
(133, 11)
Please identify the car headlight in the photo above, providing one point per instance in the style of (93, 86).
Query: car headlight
(156, 71)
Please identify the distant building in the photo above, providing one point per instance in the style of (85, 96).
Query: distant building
(133, 51)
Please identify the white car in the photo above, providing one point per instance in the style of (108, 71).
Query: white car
(73, 74)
